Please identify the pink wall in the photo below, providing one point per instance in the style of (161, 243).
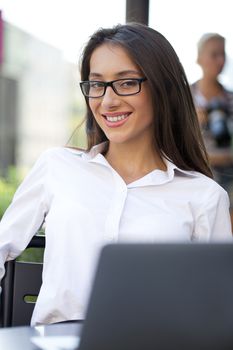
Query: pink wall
(1, 38)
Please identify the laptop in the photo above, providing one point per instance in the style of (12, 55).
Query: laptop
(161, 297)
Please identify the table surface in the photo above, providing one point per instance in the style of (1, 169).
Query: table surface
(17, 338)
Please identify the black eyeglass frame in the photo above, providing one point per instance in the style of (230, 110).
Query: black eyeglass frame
(105, 84)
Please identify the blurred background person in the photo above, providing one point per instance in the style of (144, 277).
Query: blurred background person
(214, 104)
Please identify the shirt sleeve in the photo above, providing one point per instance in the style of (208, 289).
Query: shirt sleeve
(25, 214)
(213, 219)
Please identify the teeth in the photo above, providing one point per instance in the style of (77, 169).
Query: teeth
(116, 118)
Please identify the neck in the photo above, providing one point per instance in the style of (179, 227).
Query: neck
(132, 162)
(210, 87)
(209, 80)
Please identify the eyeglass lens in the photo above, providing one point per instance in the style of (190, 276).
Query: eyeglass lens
(120, 87)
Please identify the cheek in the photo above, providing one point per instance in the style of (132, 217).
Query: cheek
(146, 106)
(205, 61)
(210, 61)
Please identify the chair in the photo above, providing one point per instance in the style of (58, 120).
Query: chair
(20, 287)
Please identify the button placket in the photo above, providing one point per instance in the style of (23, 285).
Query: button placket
(116, 209)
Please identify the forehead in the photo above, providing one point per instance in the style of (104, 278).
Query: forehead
(111, 59)
(212, 44)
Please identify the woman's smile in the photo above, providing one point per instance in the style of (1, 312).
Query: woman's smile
(116, 119)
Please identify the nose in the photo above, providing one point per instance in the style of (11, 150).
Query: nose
(110, 98)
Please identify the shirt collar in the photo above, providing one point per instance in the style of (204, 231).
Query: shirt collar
(155, 177)
(95, 154)
(95, 151)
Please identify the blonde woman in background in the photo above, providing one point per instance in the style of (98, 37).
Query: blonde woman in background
(214, 104)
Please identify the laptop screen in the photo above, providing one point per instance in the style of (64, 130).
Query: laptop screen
(161, 296)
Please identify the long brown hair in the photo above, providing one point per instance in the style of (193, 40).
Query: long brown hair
(177, 134)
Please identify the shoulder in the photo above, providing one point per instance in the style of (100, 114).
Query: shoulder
(211, 211)
(228, 94)
(200, 186)
(198, 98)
(208, 190)
(57, 158)
(193, 86)
(61, 152)
(228, 91)
(204, 181)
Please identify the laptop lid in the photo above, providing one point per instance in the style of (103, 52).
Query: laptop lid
(161, 296)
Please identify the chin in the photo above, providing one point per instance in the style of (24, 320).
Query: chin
(117, 140)
(116, 137)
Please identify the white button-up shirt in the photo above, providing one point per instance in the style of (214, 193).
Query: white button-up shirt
(86, 204)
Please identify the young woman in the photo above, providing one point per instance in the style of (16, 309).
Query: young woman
(214, 104)
(144, 177)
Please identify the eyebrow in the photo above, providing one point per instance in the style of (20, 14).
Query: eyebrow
(118, 74)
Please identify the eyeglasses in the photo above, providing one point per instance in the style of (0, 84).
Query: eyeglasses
(122, 87)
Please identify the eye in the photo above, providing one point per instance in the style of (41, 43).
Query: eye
(96, 84)
(128, 84)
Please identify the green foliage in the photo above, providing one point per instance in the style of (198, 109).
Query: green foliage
(8, 186)
(77, 124)
(32, 255)
(78, 135)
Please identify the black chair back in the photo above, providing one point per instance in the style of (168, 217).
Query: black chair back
(20, 288)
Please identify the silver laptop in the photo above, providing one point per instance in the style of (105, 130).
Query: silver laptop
(161, 296)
